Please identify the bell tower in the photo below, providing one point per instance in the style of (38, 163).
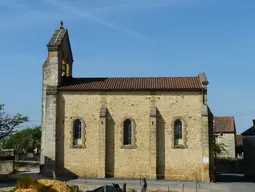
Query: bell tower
(56, 68)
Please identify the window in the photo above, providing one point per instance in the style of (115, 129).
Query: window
(68, 72)
(127, 124)
(128, 133)
(178, 138)
(63, 68)
(76, 131)
(178, 129)
(179, 133)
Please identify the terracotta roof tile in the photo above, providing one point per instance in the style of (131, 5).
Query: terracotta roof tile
(135, 84)
(239, 140)
(224, 125)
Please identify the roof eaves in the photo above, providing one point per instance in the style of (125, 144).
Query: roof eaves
(249, 132)
(127, 89)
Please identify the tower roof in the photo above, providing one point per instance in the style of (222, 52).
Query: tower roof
(57, 38)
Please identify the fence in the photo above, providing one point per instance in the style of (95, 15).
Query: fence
(229, 166)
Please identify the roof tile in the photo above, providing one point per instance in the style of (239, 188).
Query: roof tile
(224, 125)
(239, 140)
(136, 83)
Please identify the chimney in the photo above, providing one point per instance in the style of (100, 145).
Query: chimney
(253, 122)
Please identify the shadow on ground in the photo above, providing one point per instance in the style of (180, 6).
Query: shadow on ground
(5, 181)
(232, 178)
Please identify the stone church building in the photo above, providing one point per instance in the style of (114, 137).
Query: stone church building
(152, 127)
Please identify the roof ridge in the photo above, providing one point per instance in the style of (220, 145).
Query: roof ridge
(153, 77)
(132, 83)
(223, 116)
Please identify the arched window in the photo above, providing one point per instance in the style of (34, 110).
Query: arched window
(63, 67)
(127, 125)
(67, 68)
(178, 129)
(76, 131)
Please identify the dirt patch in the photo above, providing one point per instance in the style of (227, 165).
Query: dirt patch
(29, 184)
(59, 186)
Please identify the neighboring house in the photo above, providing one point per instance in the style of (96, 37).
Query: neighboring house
(239, 146)
(249, 151)
(153, 127)
(225, 132)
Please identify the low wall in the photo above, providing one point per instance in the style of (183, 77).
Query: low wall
(6, 161)
(6, 167)
(229, 166)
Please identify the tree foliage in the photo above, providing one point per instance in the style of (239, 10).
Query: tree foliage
(219, 149)
(23, 139)
(8, 123)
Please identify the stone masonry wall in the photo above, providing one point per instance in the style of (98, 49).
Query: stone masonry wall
(6, 161)
(229, 140)
(52, 77)
(138, 161)
(6, 167)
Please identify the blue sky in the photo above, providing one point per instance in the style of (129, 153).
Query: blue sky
(117, 38)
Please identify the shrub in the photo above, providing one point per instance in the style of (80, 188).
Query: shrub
(47, 189)
(132, 190)
(25, 182)
(228, 159)
(28, 183)
(17, 164)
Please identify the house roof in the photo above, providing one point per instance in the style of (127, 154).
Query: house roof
(132, 84)
(250, 131)
(239, 140)
(224, 125)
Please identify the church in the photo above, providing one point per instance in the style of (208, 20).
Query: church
(139, 127)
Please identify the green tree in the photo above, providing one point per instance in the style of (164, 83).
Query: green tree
(21, 140)
(8, 123)
(219, 149)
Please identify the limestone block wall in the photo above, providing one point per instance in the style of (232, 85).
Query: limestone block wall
(51, 78)
(181, 163)
(151, 154)
(6, 161)
(6, 167)
(229, 140)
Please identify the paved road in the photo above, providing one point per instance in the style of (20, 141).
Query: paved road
(188, 186)
(238, 185)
